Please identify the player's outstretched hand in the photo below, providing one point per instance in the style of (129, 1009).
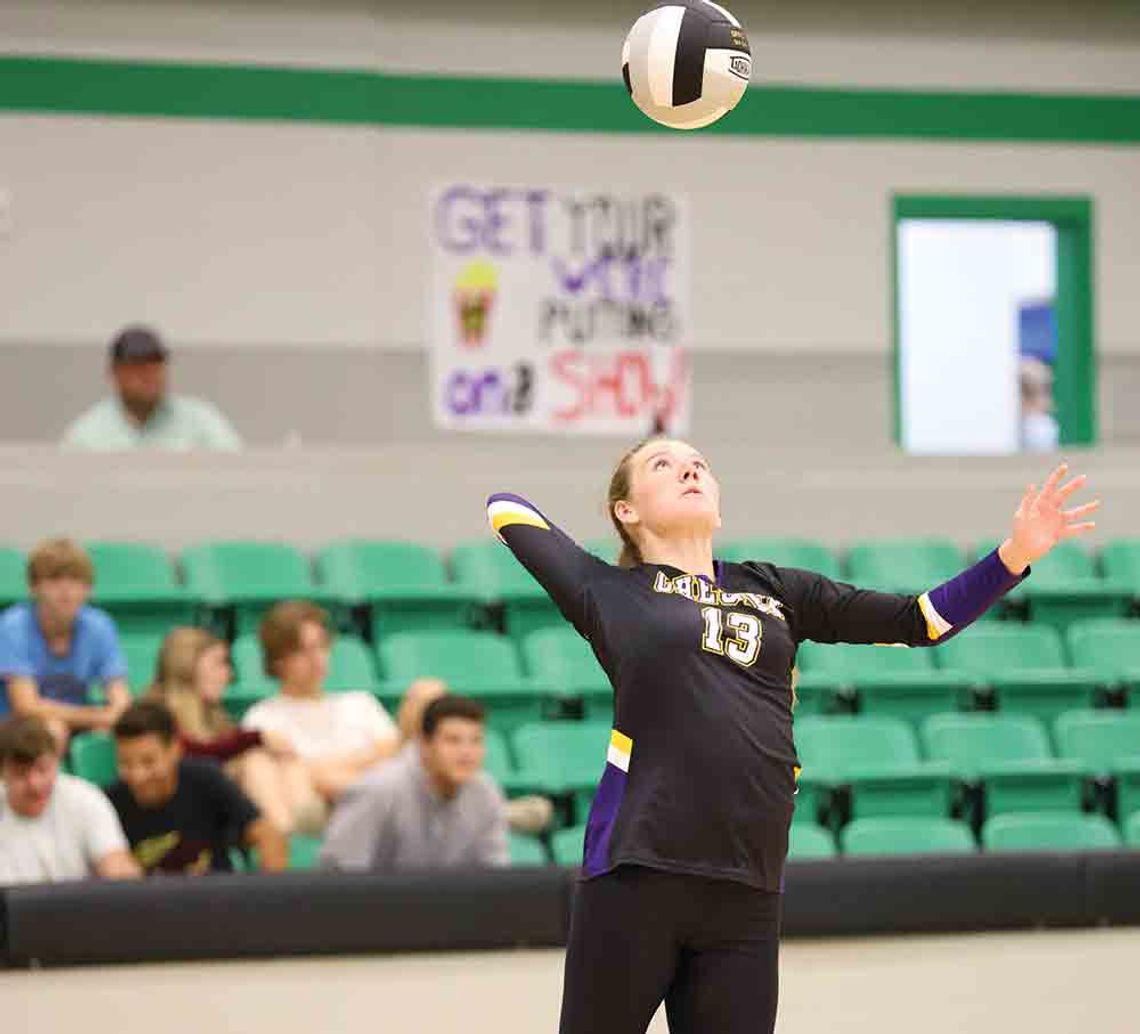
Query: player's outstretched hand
(1041, 520)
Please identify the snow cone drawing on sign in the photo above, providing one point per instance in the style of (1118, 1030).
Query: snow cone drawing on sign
(475, 291)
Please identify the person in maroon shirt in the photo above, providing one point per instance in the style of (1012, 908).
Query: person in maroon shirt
(192, 673)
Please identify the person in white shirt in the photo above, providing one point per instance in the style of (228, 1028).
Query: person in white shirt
(53, 827)
(339, 736)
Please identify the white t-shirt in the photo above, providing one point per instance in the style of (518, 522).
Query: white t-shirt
(77, 829)
(331, 724)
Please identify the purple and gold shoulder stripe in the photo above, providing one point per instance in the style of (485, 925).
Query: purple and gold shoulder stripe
(505, 509)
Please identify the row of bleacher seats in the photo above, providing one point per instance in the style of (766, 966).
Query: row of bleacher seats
(1006, 666)
(404, 585)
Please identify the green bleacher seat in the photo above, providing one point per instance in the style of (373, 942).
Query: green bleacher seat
(1065, 586)
(783, 552)
(490, 572)
(1120, 561)
(499, 764)
(563, 759)
(908, 566)
(13, 576)
(568, 845)
(404, 585)
(249, 673)
(1098, 738)
(1132, 829)
(304, 852)
(141, 651)
(890, 835)
(878, 758)
(248, 576)
(93, 758)
(562, 659)
(352, 666)
(1010, 755)
(1023, 664)
(135, 582)
(1107, 744)
(606, 549)
(1049, 831)
(820, 693)
(809, 841)
(1109, 647)
(895, 682)
(526, 851)
(477, 664)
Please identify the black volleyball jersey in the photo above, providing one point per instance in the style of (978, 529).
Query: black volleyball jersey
(701, 767)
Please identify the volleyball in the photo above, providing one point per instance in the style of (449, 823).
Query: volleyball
(687, 63)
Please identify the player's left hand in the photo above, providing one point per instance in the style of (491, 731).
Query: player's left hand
(1041, 520)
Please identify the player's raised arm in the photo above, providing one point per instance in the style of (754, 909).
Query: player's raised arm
(557, 562)
(830, 612)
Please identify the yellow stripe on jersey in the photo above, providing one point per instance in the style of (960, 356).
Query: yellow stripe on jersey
(936, 625)
(504, 512)
(621, 747)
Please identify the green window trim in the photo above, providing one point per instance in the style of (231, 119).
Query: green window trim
(1072, 218)
(47, 84)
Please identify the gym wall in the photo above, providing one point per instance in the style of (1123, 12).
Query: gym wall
(299, 246)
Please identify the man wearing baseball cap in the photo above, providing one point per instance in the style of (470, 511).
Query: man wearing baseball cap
(141, 415)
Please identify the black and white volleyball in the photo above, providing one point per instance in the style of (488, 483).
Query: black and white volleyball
(686, 63)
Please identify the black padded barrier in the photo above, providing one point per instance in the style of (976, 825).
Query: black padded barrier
(325, 913)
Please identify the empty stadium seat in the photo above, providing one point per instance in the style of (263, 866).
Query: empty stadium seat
(879, 759)
(93, 758)
(809, 841)
(135, 582)
(13, 576)
(562, 759)
(561, 658)
(1049, 831)
(568, 845)
(498, 763)
(1010, 755)
(1065, 586)
(141, 652)
(1132, 829)
(896, 682)
(1110, 648)
(478, 664)
(526, 850)
(1024, 665)
(902, 835)
(1098, 738)
(1120, 560)
(491, 574)
(909, 566)
(304, 852)
(783, 552)
(248, 577)
(404, 585)
(1106, 743)
(249, 673)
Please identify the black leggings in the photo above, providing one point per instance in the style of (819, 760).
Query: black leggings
(707, 947)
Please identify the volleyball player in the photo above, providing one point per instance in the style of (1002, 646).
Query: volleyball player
(688, 833)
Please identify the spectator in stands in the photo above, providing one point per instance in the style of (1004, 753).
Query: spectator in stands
(443, 811)
(182, 816)
(141, 414)
(54, 648)
(53, 827)
(339, 736)
(192, 674)
(527, 814)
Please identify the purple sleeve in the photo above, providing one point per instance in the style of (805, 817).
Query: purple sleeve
(966, 597)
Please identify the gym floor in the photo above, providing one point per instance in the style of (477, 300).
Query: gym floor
(1036, 983)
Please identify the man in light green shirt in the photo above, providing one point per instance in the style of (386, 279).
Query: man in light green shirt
(141, 415)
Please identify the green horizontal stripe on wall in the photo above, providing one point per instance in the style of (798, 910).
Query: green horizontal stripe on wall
(159, 89)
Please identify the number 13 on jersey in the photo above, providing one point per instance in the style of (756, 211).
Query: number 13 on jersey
(741, 644)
